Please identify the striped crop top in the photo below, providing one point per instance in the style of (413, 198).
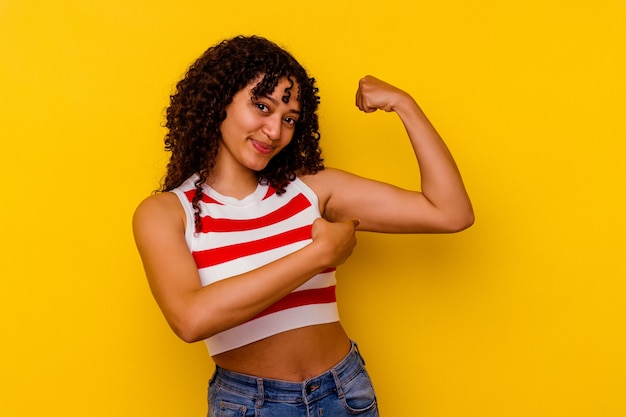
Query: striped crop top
(238, 236)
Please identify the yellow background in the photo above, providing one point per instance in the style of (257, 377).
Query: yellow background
(522, 315)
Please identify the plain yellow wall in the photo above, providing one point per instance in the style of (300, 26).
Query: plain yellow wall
(522, 315)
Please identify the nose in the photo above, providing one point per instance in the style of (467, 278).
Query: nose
(272, 128)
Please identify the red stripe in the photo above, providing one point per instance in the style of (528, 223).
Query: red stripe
(270, 192)
(301, 298)
(211, 257)
(293, 207)
(205, 198)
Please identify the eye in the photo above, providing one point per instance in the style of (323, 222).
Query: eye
(262, 107)
(291, 121)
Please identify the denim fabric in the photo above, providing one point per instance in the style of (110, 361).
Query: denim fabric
(345, 390)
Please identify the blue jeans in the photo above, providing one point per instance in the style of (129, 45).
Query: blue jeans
(345, 390)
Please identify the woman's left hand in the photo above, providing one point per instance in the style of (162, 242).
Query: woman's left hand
(374, 94)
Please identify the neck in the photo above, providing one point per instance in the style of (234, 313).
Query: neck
(231, 185)
(231, 178)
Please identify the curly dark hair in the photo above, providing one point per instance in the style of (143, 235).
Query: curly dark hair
(198, 107)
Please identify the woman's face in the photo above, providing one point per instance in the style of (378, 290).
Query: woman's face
(256, 129)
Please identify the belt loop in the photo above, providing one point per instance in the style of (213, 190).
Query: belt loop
(260, 393)
(358, 352)
(338, 384)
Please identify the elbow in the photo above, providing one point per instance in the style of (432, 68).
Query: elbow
(188, 329)
(460, 221)
(465, 222)
(187, 335)
(192, 321)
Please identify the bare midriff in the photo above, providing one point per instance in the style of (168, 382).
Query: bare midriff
(295, 355)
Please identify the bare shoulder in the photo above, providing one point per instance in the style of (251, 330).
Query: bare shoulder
(159, 204)
(163, 209)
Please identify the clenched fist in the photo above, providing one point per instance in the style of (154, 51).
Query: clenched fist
(374, 94)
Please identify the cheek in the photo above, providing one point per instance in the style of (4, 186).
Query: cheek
(239, 121)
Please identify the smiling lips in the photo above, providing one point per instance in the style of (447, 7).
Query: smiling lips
(261, 147)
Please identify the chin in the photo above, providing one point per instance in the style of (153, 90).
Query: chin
(257, 167)
(258, 164)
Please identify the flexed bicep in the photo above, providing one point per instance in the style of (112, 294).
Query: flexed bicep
(380, 207)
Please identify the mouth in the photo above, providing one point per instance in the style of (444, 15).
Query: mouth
(262, 147)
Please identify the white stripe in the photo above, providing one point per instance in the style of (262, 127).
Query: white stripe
(319, 281)
(272, 324)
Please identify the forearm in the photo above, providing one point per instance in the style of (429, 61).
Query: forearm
(208, 310)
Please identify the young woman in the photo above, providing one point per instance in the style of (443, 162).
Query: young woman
(240, 247)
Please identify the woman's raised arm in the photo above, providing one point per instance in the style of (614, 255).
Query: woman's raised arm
(442, 205)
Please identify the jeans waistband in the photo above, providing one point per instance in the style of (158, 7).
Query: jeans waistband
(286, 391)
